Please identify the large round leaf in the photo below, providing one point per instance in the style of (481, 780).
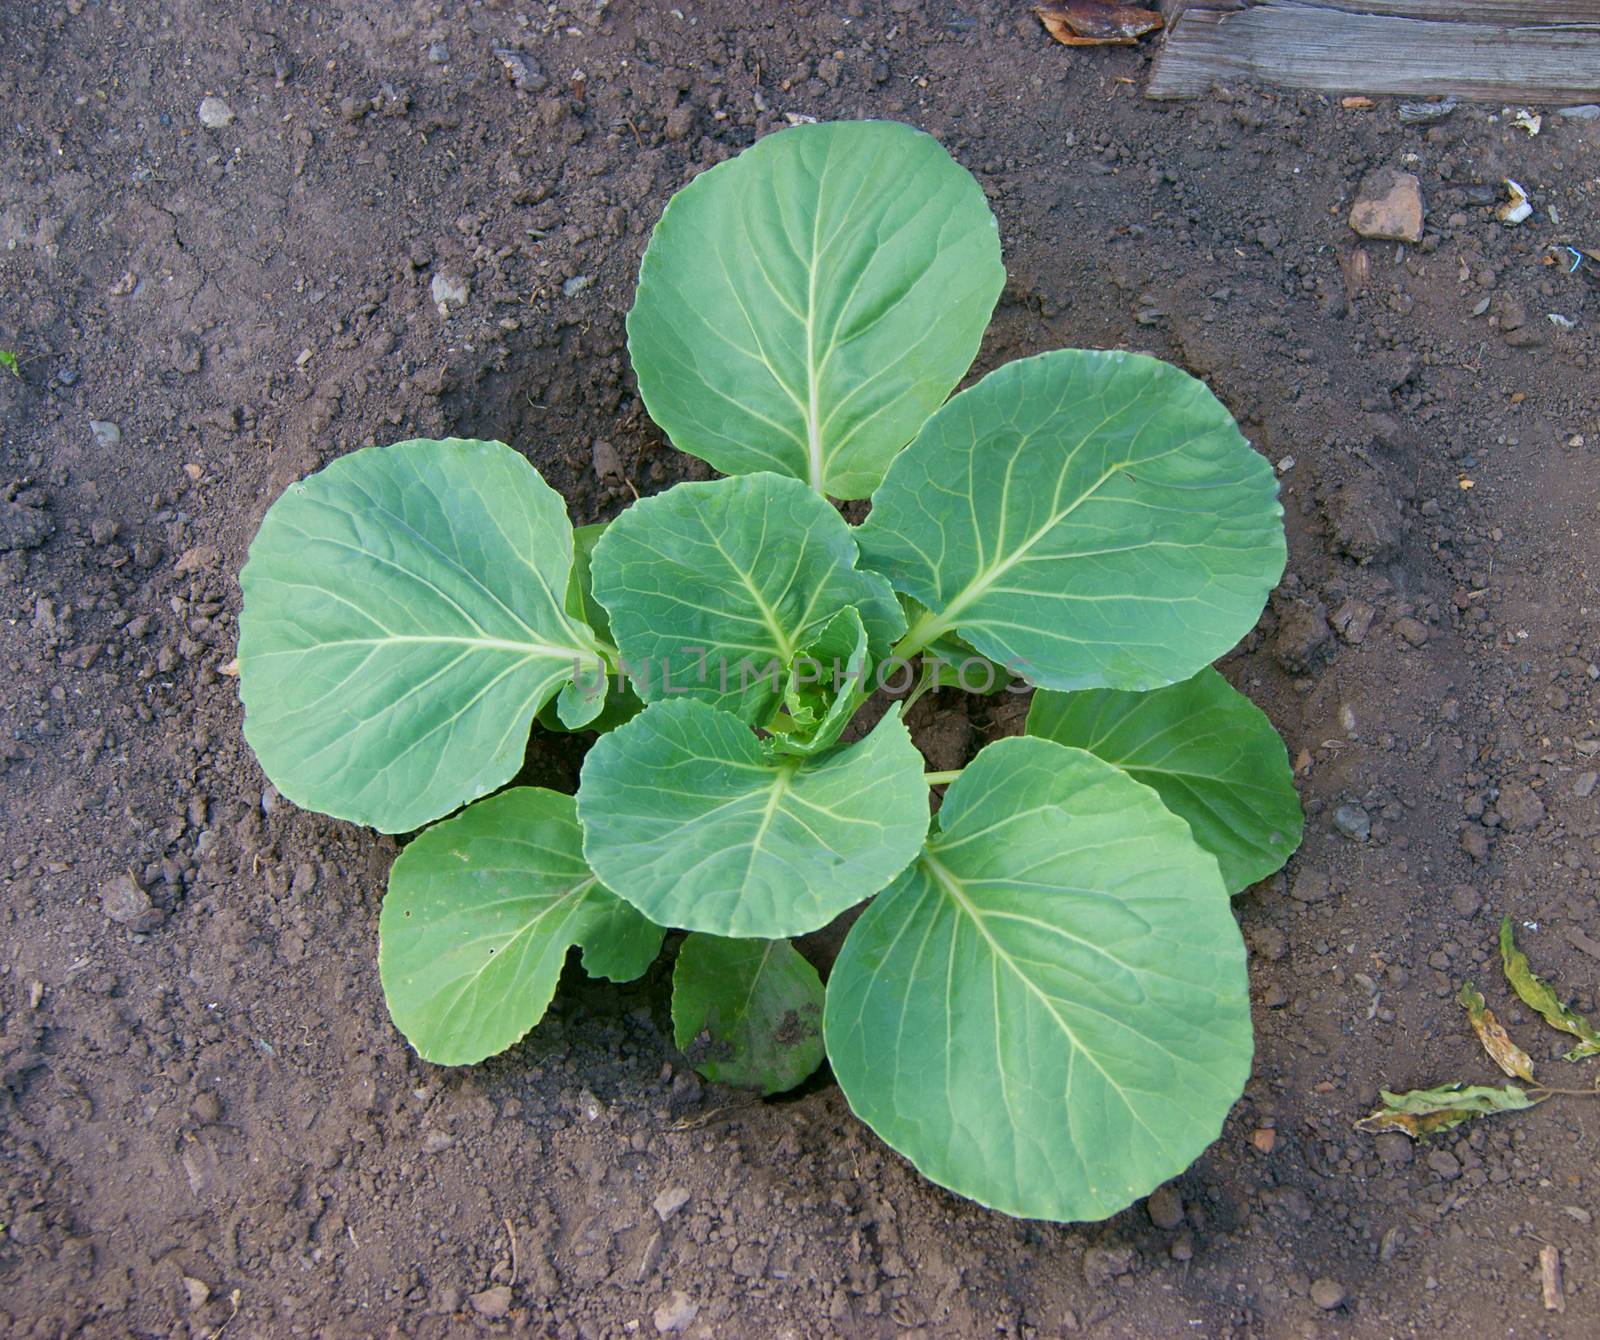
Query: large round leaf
(805, 306)
(1091, 520)
(403, 621)
(747, 1012)
(1048, 1011)
(480, 913)
(1209, 753)
(713, 588)
(687, 817)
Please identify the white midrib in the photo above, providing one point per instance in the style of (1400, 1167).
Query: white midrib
(530, 649)
(570, 900)
(755, 981)
(780, 788)
(950, 886)
(813, 412)
(932, 626)
(769, 616)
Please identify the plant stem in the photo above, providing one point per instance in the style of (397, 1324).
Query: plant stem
(929, 669)
(927, 627)
(941, 778)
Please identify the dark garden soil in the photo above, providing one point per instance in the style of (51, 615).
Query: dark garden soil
(210, 1124)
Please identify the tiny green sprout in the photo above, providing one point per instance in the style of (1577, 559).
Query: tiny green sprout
(1044, 1002)
(8, 361)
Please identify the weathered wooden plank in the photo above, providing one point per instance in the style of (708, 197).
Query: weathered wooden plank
(1515, 13)
(1318, 46)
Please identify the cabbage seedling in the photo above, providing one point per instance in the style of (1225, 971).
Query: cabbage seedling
(1044, 1003)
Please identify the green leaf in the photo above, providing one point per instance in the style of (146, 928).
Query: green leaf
(403, 622)
(689, 818)
(1534, 992)
(827, 681)
(8, 361)
(713, 589)
(1091, 520)
(621, 702)
(480, 913)
(747, 1012)
(1048, 1012)
(1420, 1112)
(1208, 752)
(804, 307)
(580, 588)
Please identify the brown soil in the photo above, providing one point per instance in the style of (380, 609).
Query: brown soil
(212, 1124)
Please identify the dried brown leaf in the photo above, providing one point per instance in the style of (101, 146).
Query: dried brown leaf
(1420, 1112)
(1491, 1032)
(1086, 23)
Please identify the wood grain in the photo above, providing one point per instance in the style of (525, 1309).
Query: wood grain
(1521, 50)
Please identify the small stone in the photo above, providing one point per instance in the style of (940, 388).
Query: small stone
(1415, 112)
(1466, 900)
(200, 558)
(1353, 822)
(1395, 1149)
(680, 121)
(607, 464)
(576, 285)
(198, 1292)
(1413, 630)
(125, 903)
(1269, 942)
(436, 1142)
(1263, 1139)
(448, 290)
(493, 1303)
(1165, 1207)
(1583, 788)
(1520, 809)
(521, 70)
(1101, 1265)
(1444, 1164)
(1388, 205)
(1275, 997)
(1309, 885)
(1352, 619)
(1364, 519)
(1328, 1294)
(670, 1201)
(676, 1313)
(1302, 630)
(438, 54)
(106, 433)
(215, 114)
(207, 1108)
(1587, 111)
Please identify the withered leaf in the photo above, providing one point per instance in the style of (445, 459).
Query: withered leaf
(1537, 995)
(1491, 1032)
(1420, 1112)
(1086, 23)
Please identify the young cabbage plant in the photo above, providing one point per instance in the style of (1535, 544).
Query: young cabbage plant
(1043, 1005)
